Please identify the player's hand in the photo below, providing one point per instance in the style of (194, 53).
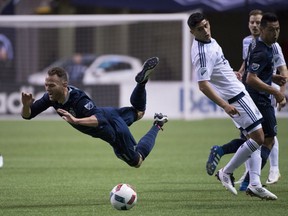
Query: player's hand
(279, 96)
(279, 79)
(27, 99)
(67, 116)
(281, 104)
(231, 111)
(238, 75)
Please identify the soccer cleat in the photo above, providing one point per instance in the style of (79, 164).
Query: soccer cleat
(274, 176)
(243, 186)
(160, 120)
(241, 178)
(148, 66)
(227, 181)
(213, 159)
(260, 192)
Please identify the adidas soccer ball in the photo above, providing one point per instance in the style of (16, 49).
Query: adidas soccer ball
(123, 197)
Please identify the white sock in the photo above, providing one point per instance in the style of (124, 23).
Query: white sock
(246, 166)
(255, 168)
(242, 154)
(274, 156)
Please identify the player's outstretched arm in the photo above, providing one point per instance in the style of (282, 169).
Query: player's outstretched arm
(90, 121)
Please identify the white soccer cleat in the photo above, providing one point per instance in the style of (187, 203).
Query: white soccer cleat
(160, 120)
(227, 181)
(274, 176)
(260, 192)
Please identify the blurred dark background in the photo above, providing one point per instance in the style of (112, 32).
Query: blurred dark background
(229, 19)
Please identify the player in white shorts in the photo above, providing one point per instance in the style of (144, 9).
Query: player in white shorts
(217, 80)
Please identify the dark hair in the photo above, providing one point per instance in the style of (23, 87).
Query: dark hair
(268, 17)
(195, 19)
(60, 72)
(255, 12)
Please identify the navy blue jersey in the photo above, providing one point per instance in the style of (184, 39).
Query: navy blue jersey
(80, 106)
(259, 61)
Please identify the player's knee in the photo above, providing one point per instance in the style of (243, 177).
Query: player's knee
(139, 162)
(258, 136)
(140, 114)
(259, 140)
(137, 165)
(269, 142)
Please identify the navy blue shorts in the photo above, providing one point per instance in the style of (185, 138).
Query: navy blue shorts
(124, 144)
(269, 124)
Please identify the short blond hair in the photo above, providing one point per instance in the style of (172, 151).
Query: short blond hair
(255, 12)
(60, 72)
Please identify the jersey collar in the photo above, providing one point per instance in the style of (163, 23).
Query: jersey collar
(68, 95)
(205, 42)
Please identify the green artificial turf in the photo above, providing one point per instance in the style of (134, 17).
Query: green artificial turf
(51, 169)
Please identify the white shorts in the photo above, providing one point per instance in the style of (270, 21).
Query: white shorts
(273, 99)
(250, 117)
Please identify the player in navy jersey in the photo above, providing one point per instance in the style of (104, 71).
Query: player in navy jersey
(258, 79)
(217, 80)
(279, 67)
(107, 123)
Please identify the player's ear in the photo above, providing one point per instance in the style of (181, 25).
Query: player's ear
(65, 84)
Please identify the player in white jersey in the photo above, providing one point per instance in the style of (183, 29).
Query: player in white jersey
(217, 80)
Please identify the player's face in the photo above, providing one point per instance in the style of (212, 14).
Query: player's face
(55, 88)
(202, 31)
(254, 25)
(270, 33)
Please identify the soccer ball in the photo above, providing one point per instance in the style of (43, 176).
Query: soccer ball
(123, 197)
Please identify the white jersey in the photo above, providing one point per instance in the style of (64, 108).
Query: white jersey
(210, 64)
(278, 57)
(245, 46)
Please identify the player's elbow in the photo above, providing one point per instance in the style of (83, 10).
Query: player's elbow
(202, 86)
(140, 114)
(249, 81)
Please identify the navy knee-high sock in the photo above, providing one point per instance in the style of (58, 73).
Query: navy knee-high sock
(147, 142)
(138, 97)
(232, 146)
(265, 152)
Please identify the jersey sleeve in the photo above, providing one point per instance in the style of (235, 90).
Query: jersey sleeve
(278, 56)
(85, 107)
(201, 63)
(245, 46)
(257, 62)
(40, 105)
(201, 71)
(244, 49)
